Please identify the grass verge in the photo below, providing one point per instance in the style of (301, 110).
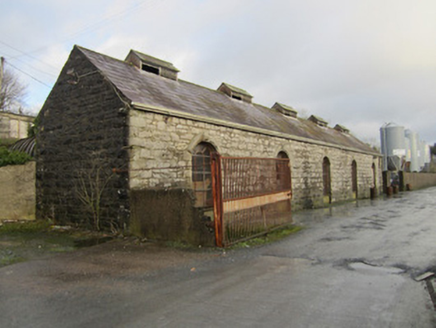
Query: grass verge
(23, 241)
(270, 237)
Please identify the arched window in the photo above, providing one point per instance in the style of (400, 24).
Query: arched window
(373, 189)
(326, 178)
(282, 154)
(201, 174)
(354, 179)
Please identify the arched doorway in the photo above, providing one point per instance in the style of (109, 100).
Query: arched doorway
(374, 180)
(282, 154)
(354, 179)
(326, 178)
(202, 175)
(281, 169)
(373, 191)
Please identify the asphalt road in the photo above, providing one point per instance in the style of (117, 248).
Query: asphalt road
(352, 266)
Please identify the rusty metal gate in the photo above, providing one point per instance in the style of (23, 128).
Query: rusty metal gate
(252, 196)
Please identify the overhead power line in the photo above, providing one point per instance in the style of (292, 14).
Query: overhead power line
(24, 54)
(93, 27)
(32, 77)
(104, 21)
(87, 29)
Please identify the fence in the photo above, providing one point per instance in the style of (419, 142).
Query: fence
(251, 197)
(410, 181)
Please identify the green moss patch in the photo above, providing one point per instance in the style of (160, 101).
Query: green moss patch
(268, 238)
(23, 241)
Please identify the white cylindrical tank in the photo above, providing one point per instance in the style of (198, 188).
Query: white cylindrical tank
(408, 150)
(424, 155)
(427, 154)
(414, 148)
(421, 154)
(393, 145)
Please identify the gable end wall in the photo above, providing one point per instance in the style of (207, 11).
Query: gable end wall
(82, 135)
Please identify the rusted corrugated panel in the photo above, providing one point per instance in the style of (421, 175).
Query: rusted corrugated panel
(246, 203)
(26, 145)
(251, 196)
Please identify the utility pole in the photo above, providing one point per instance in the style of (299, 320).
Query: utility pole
(2, 61)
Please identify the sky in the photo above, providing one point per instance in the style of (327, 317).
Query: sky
(357, 63)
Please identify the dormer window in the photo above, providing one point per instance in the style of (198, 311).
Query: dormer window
(150, 69)
(235, 92)
(152, 65)
(341, 128)
(318, 121)
(285, 110)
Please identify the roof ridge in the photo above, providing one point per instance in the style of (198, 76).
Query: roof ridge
(83, 49)
(204, 101)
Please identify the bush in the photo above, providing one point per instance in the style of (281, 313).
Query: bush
(12, 157)
(8, 142)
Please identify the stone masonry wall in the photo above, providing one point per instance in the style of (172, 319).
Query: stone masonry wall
(82, 137)
(412, 181)
(161, 146)
(14, 126)
(17, 198)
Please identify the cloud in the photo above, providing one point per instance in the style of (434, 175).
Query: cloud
(359, 63)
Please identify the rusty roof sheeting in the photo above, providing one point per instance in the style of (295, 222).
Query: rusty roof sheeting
(157, 91)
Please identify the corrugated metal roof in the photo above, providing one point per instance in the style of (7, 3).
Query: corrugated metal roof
(26, 145)
(185, 97)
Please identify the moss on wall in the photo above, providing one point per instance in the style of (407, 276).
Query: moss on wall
(169, 214)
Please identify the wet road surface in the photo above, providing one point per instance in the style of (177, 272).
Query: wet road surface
(353, 265)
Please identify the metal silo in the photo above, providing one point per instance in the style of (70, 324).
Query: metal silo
(393, 146)
(427, 157)
(421, 151)
(408, 151)
(427, 154)
(414, 148)
(423, 155)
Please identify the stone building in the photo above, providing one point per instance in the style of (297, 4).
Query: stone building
(134, 133)
(14, 126)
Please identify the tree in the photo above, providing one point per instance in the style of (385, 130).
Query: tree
(90, 187)
(12, 93)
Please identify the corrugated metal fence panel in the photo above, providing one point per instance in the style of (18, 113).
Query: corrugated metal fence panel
(251, 195)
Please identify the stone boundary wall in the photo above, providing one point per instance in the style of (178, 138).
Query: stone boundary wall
(158, 141)
(412, 181)
(17, 198)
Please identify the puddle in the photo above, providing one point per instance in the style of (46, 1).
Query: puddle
(372, 269)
